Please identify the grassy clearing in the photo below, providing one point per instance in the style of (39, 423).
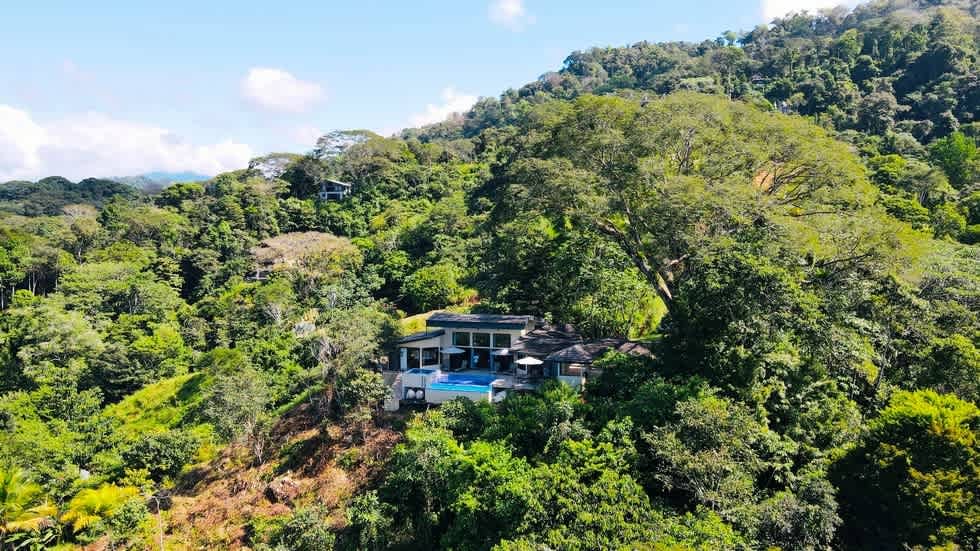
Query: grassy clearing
(416, 323)
(164, 405)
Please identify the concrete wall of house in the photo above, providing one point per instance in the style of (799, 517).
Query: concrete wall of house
(433, 396)
(410, 355)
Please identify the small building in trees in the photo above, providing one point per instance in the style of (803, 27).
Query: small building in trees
(333, 190)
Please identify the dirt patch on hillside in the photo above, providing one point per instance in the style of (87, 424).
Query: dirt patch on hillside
(310, 463)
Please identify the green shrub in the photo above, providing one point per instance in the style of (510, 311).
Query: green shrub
(433, 287)
(162, 454)
(305, 530)
(971, 235)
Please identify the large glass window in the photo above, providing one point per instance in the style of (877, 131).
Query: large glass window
(461, 338)
(413, 358)
(481, 340)
(501, 340)
(480, 359)
(430, 356)
(461, 361)
(566, 369)
(503, 364)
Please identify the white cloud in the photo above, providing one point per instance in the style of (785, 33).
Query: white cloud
(452, 102)
(510, 13)
(305, 136)
(278, 90)
(20, 142)
(94, 144)
(778, 8)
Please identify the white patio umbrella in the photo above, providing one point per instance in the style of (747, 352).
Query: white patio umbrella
(453, 350)
(526, 362)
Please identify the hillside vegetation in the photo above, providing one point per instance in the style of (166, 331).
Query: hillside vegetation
(788, 216)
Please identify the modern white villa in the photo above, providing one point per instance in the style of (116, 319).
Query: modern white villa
(483, 356)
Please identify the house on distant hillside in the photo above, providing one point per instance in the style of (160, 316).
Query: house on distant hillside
(333, 190)
(482, 356)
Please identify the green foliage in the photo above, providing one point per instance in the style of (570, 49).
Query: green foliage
(467, 420)
(712, 454)
(92, 508)
(956, 154)
(482, 497)
(371, 521)
(536, 425)
(343, 346)
(776, 211)
(167, 404)
(907, 210)
(433, 287)
(947, 221)
(361, 394)
(22, 504)
(49, 195)
(953, 366)
(162, 455)
(304, 530)
(631, 387)
(236, 404)
(913, 478)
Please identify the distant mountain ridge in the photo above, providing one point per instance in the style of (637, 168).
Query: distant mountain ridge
(160, 179)
(48, 196)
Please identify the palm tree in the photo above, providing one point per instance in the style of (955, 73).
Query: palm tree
(92, 505)
(22, 504)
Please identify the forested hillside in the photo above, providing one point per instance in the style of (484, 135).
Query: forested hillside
(787, 217)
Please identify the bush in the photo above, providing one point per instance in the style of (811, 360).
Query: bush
(370, 520)
(433, 287)
(162, 454)
(971, 235)
(906, 209)
(305, 530)
(947, 221)
(465, 418)
(914, 479)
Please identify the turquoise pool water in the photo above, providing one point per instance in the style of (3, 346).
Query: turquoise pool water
(463, 382)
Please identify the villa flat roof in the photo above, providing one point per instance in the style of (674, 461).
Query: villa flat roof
(492, 321)
(420, 336)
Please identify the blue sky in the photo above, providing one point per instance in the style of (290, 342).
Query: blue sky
(108, 88)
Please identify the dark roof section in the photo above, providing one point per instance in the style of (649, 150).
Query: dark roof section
(420, 336)
(542, 342)
(490, 321)
(586, 353)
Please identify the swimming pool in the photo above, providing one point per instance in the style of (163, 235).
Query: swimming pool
(421, 371)
(463, 382)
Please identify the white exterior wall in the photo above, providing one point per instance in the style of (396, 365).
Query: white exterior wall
(440, 396)
(401, 355)
(414, 380)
